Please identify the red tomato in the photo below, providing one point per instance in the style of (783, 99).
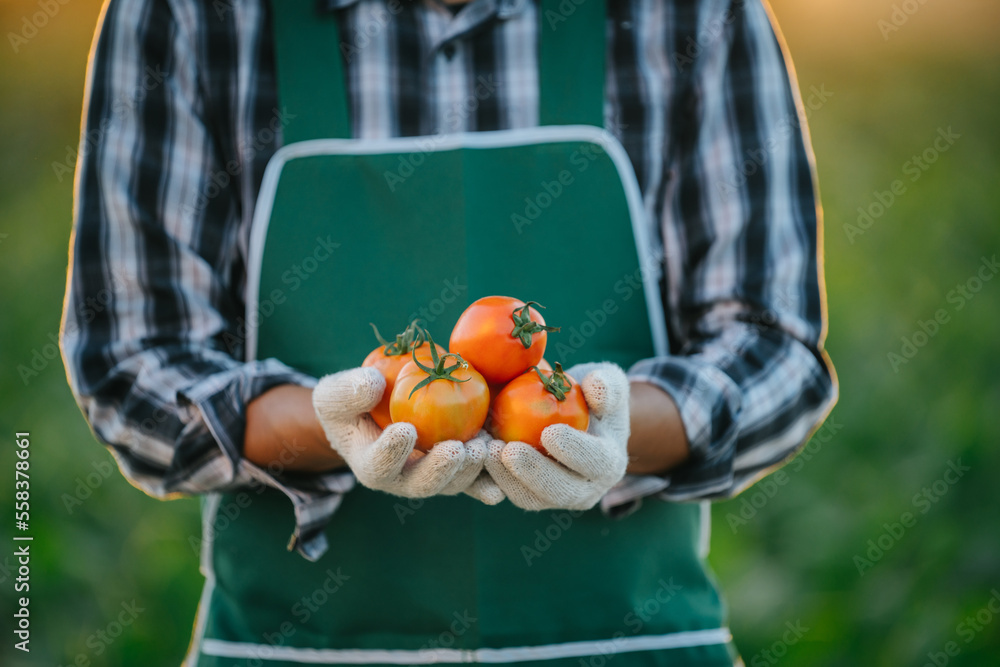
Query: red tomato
(443, 402)
(501, 336)
(497, 387)
(389, 359)
(535, 400)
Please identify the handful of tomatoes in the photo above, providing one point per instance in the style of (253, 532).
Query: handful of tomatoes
(494, 367)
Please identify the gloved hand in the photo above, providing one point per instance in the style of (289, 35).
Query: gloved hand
(386, 460)
(587, 463)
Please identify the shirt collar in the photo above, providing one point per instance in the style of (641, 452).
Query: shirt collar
(503, 8)
(333, 5)
(475, 14)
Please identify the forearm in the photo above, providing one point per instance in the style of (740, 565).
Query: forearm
(657, 442)
(283, 432)
(747, 399)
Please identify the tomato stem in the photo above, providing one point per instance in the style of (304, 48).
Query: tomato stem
(438, 371)
(557, 384)
(412, 338)
(524, 326)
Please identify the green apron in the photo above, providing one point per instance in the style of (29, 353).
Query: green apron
(347, 232)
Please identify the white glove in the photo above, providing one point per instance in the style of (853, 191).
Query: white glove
(386, 460)
(587, 463)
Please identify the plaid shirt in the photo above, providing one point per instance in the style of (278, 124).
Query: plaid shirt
(181, 117)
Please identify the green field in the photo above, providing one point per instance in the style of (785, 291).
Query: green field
(876, 545)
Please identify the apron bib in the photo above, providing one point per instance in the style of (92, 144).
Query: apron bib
(349, 232)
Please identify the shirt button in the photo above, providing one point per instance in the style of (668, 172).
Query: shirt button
(448, 51)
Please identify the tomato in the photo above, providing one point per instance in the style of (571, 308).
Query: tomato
(389, 359)
(443, 402)
(501, 337)
(535, 400)
(497, 387)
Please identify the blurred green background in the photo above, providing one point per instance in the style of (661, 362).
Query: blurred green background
(785, 553)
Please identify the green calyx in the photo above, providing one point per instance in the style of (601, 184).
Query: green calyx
(524, 326)
(438, 371)
(556, 384)
(412, 338)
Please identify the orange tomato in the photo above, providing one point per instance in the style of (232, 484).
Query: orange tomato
(501, 337)
(443, 402)
(534, 400)
(389, 359)
(497, 387)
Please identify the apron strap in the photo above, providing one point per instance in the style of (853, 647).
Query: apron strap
(570, 63)
(310, 71)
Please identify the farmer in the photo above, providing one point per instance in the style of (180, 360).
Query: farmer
(640, 167)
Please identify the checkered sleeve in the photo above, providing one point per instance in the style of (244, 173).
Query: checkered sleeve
(153, 303)
(743, 273)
